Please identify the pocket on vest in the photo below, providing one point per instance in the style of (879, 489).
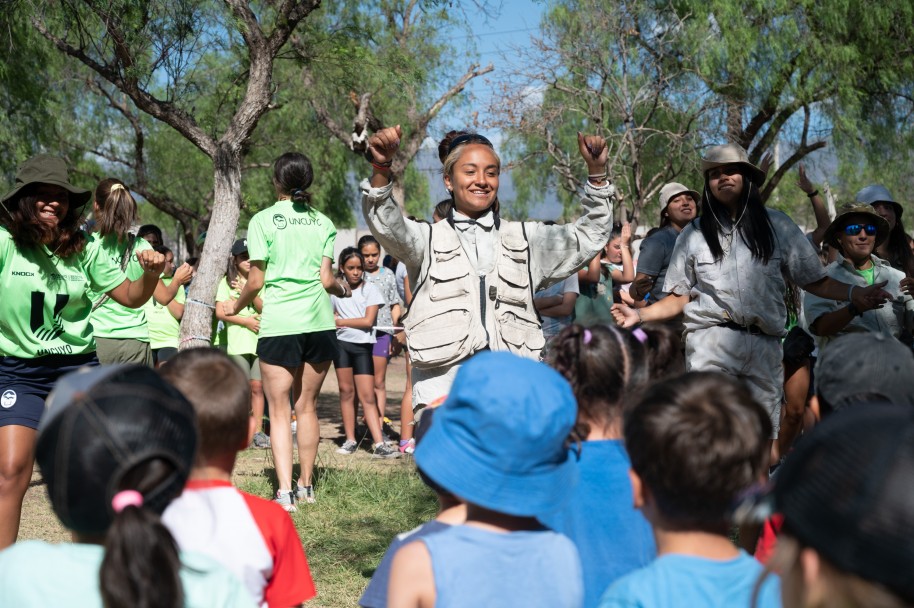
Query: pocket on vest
(521, 336)
(514, 286)
(440, 339)
(447, 282)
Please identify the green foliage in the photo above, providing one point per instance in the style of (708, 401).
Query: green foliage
(359, 509)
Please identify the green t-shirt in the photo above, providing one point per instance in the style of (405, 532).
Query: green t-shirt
(113, 320)
(869, 274)
(164, 329)
(292, 239)
(241, 340)
(44, 307)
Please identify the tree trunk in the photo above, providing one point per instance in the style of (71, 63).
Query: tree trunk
(197, 324)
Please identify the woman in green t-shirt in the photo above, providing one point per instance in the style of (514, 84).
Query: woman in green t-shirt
(46, 272)
(291, 252)
(121, 333)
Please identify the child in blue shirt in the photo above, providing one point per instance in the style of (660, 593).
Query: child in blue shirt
(696, 443)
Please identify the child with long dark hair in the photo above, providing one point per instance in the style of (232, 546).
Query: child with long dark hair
(355, 321)
(115, 448)
(606, 366)
(389, 312)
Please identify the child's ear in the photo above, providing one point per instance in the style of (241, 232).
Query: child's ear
(637, 489)
(252, 427)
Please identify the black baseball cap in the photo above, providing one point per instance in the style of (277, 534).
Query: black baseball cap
(100, 425)
(240, 246)
(847, 491)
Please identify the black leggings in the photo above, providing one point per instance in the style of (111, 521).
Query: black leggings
(356, 356)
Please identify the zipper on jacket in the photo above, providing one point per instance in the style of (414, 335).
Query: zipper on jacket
(482, 306)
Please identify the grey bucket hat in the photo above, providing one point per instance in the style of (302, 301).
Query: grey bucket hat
(877, 193)
(731, 154)
(864, 212)
(672, 190)
(47, 169)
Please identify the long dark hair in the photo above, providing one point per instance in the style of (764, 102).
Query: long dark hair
(754, 227)
(141, 565)
(21, 220)
(900, 248)
(292, 174)
(347, 254)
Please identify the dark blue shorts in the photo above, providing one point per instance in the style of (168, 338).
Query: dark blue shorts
(25, 384)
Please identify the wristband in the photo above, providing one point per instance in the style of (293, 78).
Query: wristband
(638, 312)
(600, 176)
(383, 167)
(850, 293)
(813, 193)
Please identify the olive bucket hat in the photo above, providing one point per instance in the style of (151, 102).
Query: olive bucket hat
(47, 169)
(865, 214)
(731, 154)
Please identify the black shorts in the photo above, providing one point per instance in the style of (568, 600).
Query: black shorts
(356, 356)
(25, 384)
(161, 355)
(298, 349)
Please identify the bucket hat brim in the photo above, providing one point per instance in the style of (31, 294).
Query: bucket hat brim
(672, 190)
(731, 154)
(860, 209)
(46, 169)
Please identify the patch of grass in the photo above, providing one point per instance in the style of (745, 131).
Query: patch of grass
(360, 507)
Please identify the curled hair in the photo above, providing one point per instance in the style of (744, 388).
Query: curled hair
(292, 175)
(220, 394)
(116, 208)
(141, 565)
(445, 143)
(368, 239)
(604, 365)
(754, 227)
(22, 221)
(162, 249)
(697, 442)
(347, 254)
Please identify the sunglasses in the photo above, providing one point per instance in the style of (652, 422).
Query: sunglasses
(854, 229)
(469, 138)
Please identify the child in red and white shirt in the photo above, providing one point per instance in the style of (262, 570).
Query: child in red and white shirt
(252, 537)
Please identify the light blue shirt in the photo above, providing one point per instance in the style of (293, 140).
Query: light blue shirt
(37, 573)
(685, 581)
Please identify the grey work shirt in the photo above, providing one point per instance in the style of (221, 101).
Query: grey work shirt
(654, 258)
(894, 316)
(737, 287)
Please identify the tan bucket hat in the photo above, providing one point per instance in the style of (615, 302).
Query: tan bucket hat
(867, 215)
(672, 190)
(731, 154)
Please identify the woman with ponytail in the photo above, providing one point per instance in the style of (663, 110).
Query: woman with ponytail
(115, 447)
(727, 276)
(121, 333)
(291, 250)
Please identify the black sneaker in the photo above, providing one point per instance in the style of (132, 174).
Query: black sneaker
(382, 450)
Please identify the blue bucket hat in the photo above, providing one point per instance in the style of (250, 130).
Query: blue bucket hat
(499, 439)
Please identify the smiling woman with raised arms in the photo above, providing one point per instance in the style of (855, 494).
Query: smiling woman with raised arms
(474, 273)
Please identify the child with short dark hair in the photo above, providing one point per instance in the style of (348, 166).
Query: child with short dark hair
(498, 442)
(252, 537)
(696, 444)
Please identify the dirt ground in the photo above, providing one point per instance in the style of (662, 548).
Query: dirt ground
(39, 522)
